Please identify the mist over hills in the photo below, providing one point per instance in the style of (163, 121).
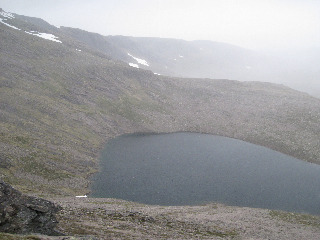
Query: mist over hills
(204, 59)
(207, 59)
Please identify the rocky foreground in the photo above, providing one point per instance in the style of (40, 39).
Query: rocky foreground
(118, 219)
(105, 218)
(24, 214)
(94, 218)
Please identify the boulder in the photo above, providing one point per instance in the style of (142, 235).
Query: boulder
(4, 161)
(23, 214)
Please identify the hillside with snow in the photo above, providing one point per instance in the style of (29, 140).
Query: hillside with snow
(191, 59)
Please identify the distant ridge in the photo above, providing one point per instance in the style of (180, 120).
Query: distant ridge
(201, 58)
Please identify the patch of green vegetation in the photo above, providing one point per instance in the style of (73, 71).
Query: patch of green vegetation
(54, 87)
(304, 219)
(19, 139)
(77, 229)
(31, 164)
(122, 107)
(7, 236)
(23, 140)
(129, 106)
(103, 203)
(221, 234)
(217, 232)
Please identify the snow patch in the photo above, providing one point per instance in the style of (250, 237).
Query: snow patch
(7, 15)
(134, 65)
(175, 59)
(79, 50)
(2, 21)
(139, 60)
(180, 56)
(46, 36)
(84, 196)
(157, 74)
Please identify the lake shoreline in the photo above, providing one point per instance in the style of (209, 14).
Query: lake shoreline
(188, 168)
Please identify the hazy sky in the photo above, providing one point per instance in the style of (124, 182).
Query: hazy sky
(256, 24)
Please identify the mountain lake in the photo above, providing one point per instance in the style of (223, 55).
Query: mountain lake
(193, 169)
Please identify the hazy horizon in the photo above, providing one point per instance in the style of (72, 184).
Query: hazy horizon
(259, 25)
(287, 31)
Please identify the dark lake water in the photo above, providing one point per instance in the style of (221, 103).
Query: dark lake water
(190, 168)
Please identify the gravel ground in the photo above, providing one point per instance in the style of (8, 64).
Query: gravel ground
(107, 218)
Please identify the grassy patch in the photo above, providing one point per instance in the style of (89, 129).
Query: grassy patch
(7, 236)
(221, 234)
(122, 107)
(103, 203)
(32, 165)
(304, 219)
(77, 229)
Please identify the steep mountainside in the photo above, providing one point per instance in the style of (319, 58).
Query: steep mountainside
(201, 59)
(61, 101)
